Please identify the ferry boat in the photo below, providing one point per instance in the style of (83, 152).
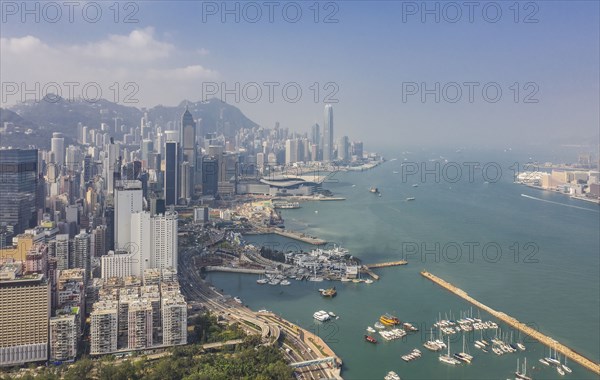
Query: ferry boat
(286, 205)
(370, 339)
(321, 316)
(331, 292)
(389, 320)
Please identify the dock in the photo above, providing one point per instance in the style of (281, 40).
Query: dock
(298, 236)
(367, 267)
(513, 322)
(387, 264)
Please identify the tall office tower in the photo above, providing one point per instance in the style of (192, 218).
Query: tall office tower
(328, 134)
(314, 152)
(109, 220)
(73, 159)
(98, 241)
(343, 153)
(315, 134)
(260, 160)
(112, 165)
(174, 320)
(186, 180)
(128, 200)
(103, 327)
(188, 137)
(291, 151)
(81, 253)
(357, 149)
(147, 147)
(154, 240)
(210, 175)
(59, 249)
(84, 135)
(57, 146)
(18, 187)
(171, 173)
(24, 317)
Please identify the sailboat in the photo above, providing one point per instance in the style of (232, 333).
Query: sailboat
(522, 375)
(447, 358)
(464, 356)
(565, 366)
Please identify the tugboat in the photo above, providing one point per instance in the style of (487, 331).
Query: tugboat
(331, 292)
(370, 339)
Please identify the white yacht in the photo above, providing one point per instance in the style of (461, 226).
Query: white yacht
(285, 283)
(321, 316)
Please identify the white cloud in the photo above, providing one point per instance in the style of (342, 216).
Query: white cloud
(164, 73)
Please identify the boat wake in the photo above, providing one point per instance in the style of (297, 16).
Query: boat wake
(558, 203)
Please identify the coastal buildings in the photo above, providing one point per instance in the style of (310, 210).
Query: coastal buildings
(24, 317)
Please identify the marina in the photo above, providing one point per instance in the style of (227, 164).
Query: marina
(548, 341)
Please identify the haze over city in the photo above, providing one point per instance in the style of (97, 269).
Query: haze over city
(367, 49)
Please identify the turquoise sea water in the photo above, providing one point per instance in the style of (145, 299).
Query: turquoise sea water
(546, 273)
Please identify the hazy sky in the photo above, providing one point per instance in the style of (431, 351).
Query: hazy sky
(374, 63)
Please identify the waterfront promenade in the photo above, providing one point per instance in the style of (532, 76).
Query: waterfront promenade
(513, 322)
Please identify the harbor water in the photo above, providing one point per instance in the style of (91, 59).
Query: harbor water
(534, 257)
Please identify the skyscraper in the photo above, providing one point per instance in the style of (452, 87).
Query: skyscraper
(188, 137)
(328, 134)
(128, 200)
(18, 186)
(57, 145)
(210, 175)
(171, 172)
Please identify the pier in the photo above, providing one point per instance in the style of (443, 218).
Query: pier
(298, 236)
(367, 267)
(513, 322)
(387, 264)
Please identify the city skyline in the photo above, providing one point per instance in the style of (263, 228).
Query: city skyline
(156, 53)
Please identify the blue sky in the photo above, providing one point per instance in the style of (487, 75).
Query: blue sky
(369, 54)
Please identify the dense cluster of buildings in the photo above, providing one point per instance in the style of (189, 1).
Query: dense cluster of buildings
(89, 228)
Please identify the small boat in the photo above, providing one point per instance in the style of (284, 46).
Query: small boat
(374, 190)
(415, 185)
(410, 198)
(544, 362)
(391, 376)
(345, 279)
(368, 281)
(237, 299)
(560, 371)
(370, 339)
(285, 283)
(379, 325)
(521, 346)
(370, 329)
(332, 314)
(262, 281)
(331, 292)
